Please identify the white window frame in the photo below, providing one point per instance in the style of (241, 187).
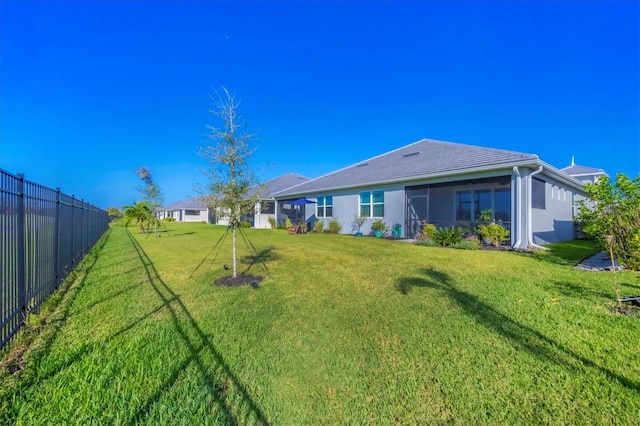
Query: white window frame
(371, 203)
(324, 206)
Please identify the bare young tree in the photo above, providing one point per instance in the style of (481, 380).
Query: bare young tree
(152, 194)
(229, 174)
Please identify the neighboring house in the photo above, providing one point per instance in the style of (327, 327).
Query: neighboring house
(265, 208)
(189, 210)
(582, 173)
(446, 184)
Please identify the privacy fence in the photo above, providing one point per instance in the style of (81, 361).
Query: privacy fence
(43, 235)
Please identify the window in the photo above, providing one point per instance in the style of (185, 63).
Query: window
(324, 207)
(372, 204)
(192, 212)
(502, 205)
(463, 205)
(268, 207)
(481, 201)
(538, 198)
(470, 204)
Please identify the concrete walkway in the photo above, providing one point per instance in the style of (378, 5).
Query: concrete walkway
(598, 262)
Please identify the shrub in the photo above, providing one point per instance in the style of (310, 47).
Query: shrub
(448, 236)
(494, 232)
(470, 243)
(170, 219)
(272, 222)
(245, 224)
(288, 223)
(426, 233)
(358, 221)
(334, 226)
(318, 226)
(428, 229)
(379, 225)
(611, 215)
(427, 243)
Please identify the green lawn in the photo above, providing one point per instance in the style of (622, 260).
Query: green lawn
(345, 331)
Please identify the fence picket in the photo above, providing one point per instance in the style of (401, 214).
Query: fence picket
(43, 235)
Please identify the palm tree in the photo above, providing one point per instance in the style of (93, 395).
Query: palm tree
(141, 212)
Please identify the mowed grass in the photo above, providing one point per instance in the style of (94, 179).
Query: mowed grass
(343, 330)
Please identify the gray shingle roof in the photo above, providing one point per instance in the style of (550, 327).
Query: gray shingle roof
(278, 184)
(426, 157)
(188, 204)
(575, 170)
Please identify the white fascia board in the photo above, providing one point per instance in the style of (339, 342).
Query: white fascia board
(562, 176)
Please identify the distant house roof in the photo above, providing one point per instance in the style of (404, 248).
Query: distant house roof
(575, 170)
(278, 184)
(425, 158)
(188, 204)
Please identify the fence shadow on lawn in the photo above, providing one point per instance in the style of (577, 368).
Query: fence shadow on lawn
(252, 413)
(525, 337)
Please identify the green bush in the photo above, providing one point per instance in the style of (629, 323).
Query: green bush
(448, 236)
(611, 215)
(428, 230)
(272, 222)
(318, 226)
(470, 243)
(170, 219)
(494, 232)
(245, 224)
(379, 225)
(288, 223)
(427, 243)
(334, 226)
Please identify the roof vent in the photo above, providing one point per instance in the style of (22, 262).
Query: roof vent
(362, 164)
(412, 154)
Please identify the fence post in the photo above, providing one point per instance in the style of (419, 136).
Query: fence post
(56, 239)
(22, 291)
(73, 226)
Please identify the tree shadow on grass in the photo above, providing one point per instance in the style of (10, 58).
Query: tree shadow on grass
(260, 258)
(568, 289)
(247, 412)
(181, 234)
(527, 338)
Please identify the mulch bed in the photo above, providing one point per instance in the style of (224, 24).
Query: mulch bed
(238, 281)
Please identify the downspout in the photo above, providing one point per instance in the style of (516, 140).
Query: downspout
(529, 226)
(518, 204)
(275, 210)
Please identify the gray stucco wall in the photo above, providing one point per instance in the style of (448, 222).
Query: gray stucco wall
(554, 223)
(346, 203)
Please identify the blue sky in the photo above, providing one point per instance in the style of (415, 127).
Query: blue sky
(91, 90)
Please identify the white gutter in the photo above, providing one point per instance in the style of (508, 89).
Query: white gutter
(529, 226)
(517, 215)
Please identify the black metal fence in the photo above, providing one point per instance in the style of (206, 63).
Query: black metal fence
(43, 235)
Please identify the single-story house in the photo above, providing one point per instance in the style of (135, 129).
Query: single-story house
(194, 210)
(189, 210)
(445, 183)
(583, 173)
(266, 206)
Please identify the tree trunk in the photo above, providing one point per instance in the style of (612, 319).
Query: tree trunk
(233, 235)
